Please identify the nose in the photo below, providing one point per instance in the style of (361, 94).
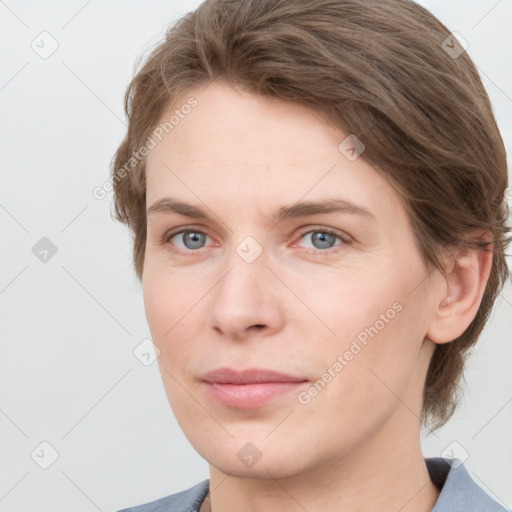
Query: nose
(247, 300)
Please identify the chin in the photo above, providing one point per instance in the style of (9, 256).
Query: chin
(242, 458)
(268, 469)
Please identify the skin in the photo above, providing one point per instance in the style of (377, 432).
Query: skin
(356, 445)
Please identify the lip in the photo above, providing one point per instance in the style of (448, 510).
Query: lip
(249, 376)
(248, 389)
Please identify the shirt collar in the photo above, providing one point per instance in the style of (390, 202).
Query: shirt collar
(458, 491)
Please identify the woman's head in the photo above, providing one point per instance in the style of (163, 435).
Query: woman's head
(359, 101)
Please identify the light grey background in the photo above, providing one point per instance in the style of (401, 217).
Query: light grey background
(68, 375)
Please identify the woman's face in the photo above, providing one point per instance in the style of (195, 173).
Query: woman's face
(253, 276)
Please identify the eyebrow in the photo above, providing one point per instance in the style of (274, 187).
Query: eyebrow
(302, 209)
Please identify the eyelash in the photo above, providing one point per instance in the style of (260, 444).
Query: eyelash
(166, 238)
(336, 248)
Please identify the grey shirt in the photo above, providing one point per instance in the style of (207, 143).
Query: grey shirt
(459, 493)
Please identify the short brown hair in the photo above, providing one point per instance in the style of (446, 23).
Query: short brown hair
(379, 69)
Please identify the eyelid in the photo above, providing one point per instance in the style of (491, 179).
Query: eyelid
(168, 235)
(324, 229)
(345, 239)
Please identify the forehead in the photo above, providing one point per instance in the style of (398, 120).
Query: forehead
(225, 121)
(254, 150)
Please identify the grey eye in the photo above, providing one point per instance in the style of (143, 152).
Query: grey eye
(321, 239)
(190, 239)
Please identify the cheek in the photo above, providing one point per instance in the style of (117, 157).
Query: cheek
(170, 302)
(172, 306)
(358, 382)
(169, 294)
(351, 303)
(373, 326)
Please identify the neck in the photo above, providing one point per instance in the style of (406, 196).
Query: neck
(387, 474)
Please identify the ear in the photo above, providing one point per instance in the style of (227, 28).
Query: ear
(464, 285)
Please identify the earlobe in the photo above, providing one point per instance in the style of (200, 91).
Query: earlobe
(464, 286)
